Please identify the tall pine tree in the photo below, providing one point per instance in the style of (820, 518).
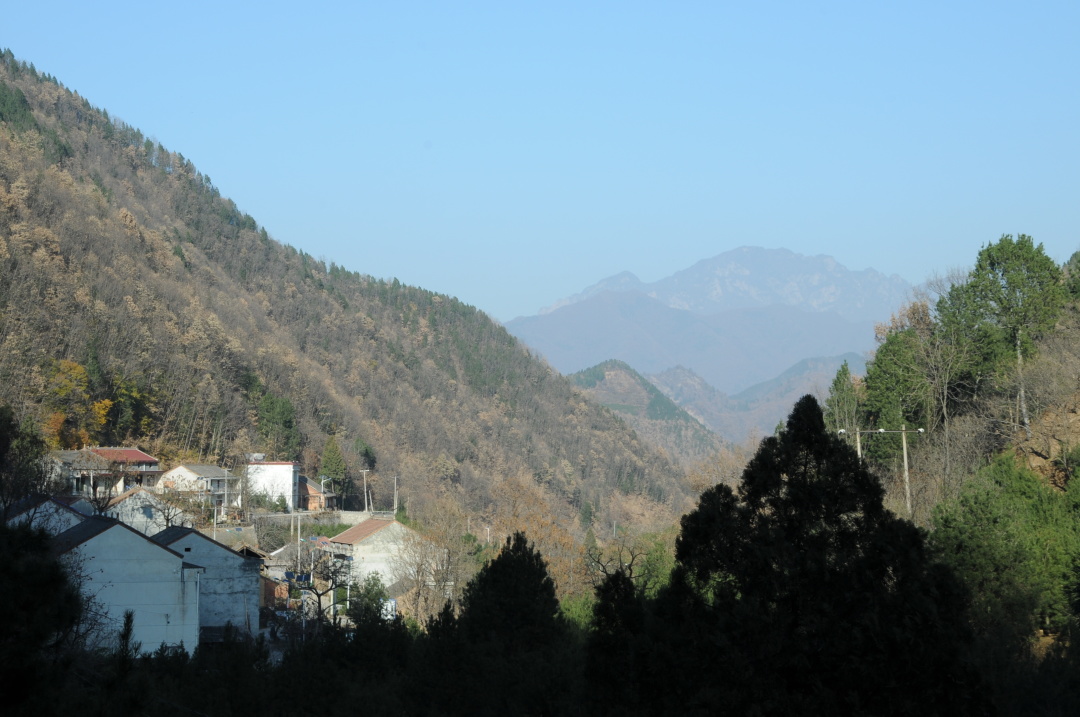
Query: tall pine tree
(799, 593)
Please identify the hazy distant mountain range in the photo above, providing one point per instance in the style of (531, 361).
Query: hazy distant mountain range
(754, 327)
(752, 277)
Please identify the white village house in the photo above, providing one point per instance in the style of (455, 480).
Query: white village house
(84, 472)
(229, 588)
(51, 514)
(282, 480)
(122, 569)
(275, 479)
(374, 546)
(213, 484)
(145, 512)
(103, 470)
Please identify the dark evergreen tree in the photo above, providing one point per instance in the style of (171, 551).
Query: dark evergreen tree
(842, 405)
(510, 645)
(277, 426)
(616, 653)
(799, 593)
(1013, 295)
(22, 468)
(333, 465)
(40, 606)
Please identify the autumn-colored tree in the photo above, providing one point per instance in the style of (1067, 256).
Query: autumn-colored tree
(520, 506)
(74, 420)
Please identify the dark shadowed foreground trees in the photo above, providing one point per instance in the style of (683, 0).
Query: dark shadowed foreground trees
(797, 593)
(40, 606)
(794, 593)
(508, 651)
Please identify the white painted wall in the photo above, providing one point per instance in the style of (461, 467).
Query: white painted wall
(123, 570)
(377, 553)
(51, 516)
(181, 479)
(145, 513)
(274, 479)
(229, 587)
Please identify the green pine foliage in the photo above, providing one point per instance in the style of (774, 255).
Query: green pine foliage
(332, 465)
(14, 109)
(1013, 540)
(277, 425)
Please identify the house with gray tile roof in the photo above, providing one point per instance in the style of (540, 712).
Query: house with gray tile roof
(121, 569)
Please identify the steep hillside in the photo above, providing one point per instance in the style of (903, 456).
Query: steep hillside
(654, 416)
(139, 305)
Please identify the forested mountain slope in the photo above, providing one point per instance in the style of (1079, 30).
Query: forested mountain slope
(139, 305)
(654, 416)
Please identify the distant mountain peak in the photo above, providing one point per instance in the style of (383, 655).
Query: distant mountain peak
(755, 277)
(623, 281)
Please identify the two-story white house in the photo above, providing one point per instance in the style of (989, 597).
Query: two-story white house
(103, 471)
(216, 485)
(131, 466)
(84, 472)
(375, 545)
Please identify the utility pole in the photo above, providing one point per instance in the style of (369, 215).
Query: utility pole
(903, 440)
(365, 472)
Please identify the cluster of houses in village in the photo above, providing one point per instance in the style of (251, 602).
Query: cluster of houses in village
(96, 471)
(131, 549)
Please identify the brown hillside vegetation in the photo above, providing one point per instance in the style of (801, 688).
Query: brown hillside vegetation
(138, 305)
(1054, 380)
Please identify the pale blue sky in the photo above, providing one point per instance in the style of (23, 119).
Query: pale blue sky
(511, 154)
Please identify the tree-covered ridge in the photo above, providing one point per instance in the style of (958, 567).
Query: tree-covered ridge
(652, 415)
(987, 363)
(137, 304)
(961, 362)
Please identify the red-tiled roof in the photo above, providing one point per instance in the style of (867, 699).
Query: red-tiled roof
(362, 531)
(124, 455)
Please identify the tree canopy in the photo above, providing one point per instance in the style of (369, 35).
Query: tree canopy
(1012, 296)
(799, 593)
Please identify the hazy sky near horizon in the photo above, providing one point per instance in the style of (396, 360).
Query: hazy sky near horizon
(512, 154)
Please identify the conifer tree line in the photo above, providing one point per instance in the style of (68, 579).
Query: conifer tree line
(986, 362)
(957, 362)
(794, 592)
